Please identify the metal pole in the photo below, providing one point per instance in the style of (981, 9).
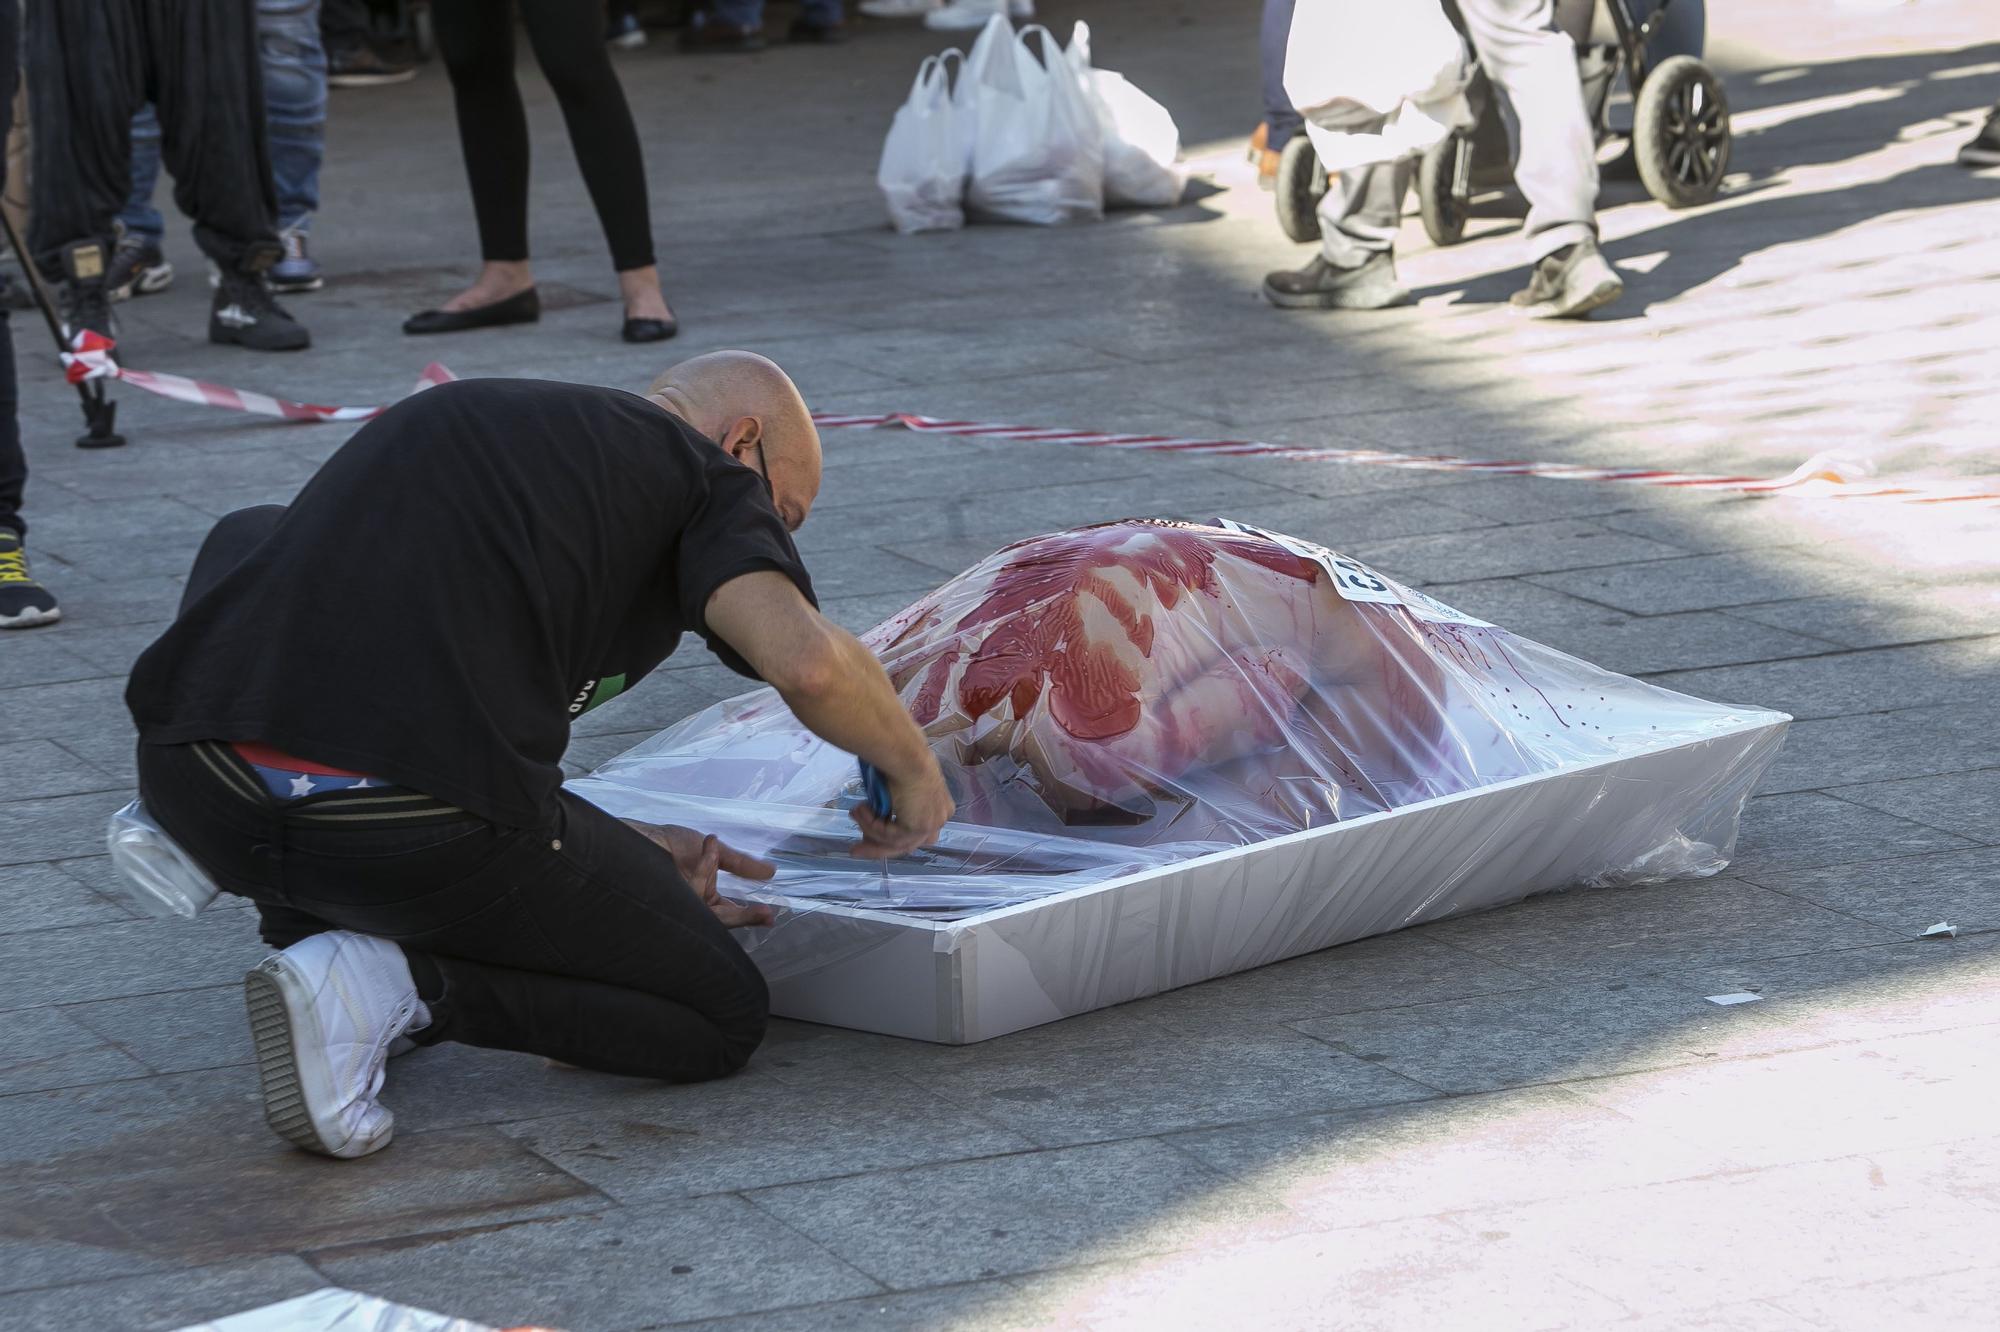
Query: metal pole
(100, 413)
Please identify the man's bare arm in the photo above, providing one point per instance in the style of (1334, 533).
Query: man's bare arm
(838, 690)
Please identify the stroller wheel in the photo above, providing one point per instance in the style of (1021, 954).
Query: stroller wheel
(1439, 200)
(1680, 132)
(1301, 185)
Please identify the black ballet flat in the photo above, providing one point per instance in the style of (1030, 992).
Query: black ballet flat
(649, 330)
(523, 307)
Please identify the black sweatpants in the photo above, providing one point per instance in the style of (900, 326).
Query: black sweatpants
(13, 462)
(576, 939)
(476, 39)
(94, 64)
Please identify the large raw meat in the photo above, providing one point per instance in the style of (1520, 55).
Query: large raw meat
(1125, 696)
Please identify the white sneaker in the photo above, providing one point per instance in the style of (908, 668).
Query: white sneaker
(322, 1016)
(970, 15)
(897, 8)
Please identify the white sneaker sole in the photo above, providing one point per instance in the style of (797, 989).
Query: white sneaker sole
(1595, 299)
(281, 1022)
(28, 619)
(146, 282)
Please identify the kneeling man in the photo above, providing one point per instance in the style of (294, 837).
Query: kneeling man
(359, 718)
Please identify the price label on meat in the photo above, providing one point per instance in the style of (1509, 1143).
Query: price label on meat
(1351, 578)
(1357, 582)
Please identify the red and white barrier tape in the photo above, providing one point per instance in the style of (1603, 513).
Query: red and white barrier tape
(1825, 478)
(90, 358)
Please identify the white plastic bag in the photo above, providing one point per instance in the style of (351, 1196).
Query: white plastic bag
(1037, 149)
(922, 173)
(1375, 82)
(160, 878)
(1141, 140)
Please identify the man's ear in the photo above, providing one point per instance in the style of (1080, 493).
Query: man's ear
(744, 434)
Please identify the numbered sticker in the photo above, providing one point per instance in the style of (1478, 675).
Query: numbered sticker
(1357, 582)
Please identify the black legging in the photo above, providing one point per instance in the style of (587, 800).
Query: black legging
(476, 39)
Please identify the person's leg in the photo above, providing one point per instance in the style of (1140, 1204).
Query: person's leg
(13, 462)
(89, 80)
(577, 940)
(24, 603)
(1361, 212)
(475, 39)
(1355, 269)
(140, 219)
(567, 39)
(209, 90)
(1521, 51)
(139, 264)
(1281, 121)
(294, 69)
(210, 97)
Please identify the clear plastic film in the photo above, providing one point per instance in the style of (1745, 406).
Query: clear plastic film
(332, 1309)
(159, 878)
(1128, 697)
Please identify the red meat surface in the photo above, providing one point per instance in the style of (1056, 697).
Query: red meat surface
(1165, 677)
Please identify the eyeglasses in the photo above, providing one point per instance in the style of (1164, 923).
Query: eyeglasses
(764, 471)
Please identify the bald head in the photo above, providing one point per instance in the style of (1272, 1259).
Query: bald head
(745, 403)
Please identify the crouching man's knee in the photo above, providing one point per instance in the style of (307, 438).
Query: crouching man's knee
(742, 1026)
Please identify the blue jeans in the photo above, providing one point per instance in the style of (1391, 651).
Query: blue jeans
(750, 13)
(294, 68)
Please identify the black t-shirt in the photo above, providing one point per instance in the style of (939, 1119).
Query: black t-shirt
(473, 569)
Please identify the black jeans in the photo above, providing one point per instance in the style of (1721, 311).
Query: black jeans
(576, 939)
(476, 39)
(94, 64)
(13, 462)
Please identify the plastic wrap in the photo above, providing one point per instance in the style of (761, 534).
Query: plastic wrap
(160, 878)
(1130, 697)
(332, 1309)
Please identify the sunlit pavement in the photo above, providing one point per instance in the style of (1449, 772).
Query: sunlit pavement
(1529, 1118)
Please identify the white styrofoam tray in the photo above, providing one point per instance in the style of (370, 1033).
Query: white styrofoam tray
(1019, 966)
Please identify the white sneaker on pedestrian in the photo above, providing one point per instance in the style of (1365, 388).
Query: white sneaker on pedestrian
(892, 9)
(970, 15)
(322, 1016)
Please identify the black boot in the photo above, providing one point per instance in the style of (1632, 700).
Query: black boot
(85, 304)
(245, 313)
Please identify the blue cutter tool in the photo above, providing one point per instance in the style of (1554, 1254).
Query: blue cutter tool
(876, 788)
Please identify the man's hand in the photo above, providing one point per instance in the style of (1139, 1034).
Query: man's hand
(920, 810)
(698, 858)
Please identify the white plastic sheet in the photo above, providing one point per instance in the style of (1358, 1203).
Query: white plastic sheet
(925, 156)
(1135, 695)
(1037, 148)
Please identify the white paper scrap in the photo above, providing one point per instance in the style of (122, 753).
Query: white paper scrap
(1738, 997)
(1944, 929)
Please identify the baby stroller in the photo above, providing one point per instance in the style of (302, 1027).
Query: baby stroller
(1679, 140)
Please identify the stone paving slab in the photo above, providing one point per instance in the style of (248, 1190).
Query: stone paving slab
(621, 1269)
(1533, 1116)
